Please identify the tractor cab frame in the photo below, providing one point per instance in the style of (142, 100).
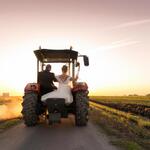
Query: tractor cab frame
(59, 56)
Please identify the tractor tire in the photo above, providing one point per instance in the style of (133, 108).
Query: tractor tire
(82, 106)
(29, 109)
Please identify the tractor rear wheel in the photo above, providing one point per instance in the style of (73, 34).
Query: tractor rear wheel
(29, 109)
(82, 105)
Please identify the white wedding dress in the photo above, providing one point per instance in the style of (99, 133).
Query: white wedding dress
(63, 91)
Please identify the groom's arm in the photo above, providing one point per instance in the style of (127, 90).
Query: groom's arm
(54, 78)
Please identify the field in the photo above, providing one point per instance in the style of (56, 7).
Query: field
(140, 100)
(5, 100)
(139, 105)
(126, 128)
(10, 107)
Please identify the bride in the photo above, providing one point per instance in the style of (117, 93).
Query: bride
(64, 89)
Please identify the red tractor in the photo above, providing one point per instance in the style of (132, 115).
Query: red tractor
(55, 108)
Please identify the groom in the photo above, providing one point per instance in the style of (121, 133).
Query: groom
(46, 79)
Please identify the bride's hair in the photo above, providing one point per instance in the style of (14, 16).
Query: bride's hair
(64, 68)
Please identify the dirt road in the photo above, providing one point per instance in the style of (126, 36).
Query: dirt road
(63, 136)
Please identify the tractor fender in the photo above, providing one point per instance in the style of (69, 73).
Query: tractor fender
(80, 86)
(32, 87)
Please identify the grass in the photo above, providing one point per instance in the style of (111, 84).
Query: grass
(123, 132)
(127, 145)
(8, 123)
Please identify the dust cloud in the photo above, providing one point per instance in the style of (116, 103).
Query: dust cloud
(10, 109)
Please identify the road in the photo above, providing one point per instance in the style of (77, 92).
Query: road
(64, 136)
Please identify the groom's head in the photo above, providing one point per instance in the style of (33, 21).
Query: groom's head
(48, 67)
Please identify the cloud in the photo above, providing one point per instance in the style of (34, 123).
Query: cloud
(132, 23)
(113, 45)
(118, 44)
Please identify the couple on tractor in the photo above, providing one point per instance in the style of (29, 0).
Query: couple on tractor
(43, 98)
(49, 90)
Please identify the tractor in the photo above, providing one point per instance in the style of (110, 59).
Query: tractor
(55, 108)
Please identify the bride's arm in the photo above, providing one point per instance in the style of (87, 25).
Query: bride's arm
(74, 79)
(77, 75)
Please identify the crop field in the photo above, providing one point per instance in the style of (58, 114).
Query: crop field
(140, 100)
(129, 131)
(139, 105)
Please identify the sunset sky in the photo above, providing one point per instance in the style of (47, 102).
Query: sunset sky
(115, 34)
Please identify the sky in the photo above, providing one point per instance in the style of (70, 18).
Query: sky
(115, 34)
